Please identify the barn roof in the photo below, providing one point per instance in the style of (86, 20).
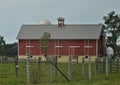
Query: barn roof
(66, 32)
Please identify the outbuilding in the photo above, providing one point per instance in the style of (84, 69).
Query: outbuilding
(76, 40)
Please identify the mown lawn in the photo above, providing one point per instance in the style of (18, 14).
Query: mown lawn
(8, 76)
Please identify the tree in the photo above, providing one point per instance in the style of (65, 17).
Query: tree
(44, 43)
(112, 29)
(10, 50)
(2, 44)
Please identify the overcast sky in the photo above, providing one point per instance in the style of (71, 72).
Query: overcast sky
(14, 13)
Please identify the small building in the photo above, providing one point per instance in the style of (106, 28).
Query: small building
(66, 40)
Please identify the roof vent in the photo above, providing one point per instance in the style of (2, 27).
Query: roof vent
(60, 21)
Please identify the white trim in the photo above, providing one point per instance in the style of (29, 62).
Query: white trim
(18, 49)
(57, 46)
(58, 49)
(73, 49)
(26, 50)
(74, 46)
(88, 50)
(39, 46)
(29, 46)
(84, 48)
(88, 46)
(96, 47)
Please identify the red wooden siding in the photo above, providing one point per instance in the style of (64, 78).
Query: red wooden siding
(101, 44)
(65, 50)
(21, 47)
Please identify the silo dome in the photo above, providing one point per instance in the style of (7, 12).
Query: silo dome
(45, 22)
(109, 51)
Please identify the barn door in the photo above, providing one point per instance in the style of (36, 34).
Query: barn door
(72, 52)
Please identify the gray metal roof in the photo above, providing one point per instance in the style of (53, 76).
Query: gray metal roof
(66, 32)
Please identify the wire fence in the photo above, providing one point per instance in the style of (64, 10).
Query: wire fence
(52, 71)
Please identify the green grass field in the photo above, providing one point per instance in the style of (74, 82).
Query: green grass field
(8, 76)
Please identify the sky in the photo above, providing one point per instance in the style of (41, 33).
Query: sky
(14, 13)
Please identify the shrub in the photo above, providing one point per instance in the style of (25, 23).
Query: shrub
(35, 74)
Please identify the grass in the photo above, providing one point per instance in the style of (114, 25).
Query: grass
(8, 77)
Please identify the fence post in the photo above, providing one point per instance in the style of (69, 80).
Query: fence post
(69, 67)
(110, 66)
(16, 65)
(39, 62)
(117, 65)
(96, 65)
(51, 69)
(77, 59)
(89, 67)
(55, 62)
(83, 66)
(104, 64)
(106, 69)
(28, 70)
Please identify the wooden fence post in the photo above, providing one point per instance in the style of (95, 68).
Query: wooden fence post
(55, 62)
(39, 62)
(96, 65)
(28, 69)
(69, 67)
(106, 69)
(104, 64)
(51, 69)
(89, 67)
(83, 66)
(117, 65)
(110, 63)
(16, 65)
(77, 59)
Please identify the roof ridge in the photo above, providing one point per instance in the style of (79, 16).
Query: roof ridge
(65, 25)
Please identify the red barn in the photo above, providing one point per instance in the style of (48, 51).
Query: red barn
(66, 39)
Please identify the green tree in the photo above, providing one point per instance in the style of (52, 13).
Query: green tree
(2, 44)
(11, 50)
(2, 51)
(112, 29)
(44, 43)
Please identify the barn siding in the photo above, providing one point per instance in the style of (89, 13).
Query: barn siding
(101, 46)
(62, 51)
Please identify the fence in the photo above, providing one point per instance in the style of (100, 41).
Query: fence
(113, 65)
(53, 71)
